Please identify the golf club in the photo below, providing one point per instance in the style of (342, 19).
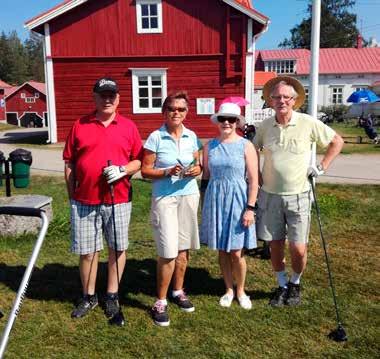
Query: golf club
(339, 334)
(28, 212)
(118, 318)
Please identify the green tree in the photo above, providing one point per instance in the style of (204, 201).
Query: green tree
(20, 62)
(5, 62)
(338, 27)
(35, 61)
(18, 67)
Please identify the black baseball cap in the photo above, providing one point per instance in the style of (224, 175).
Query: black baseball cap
(106, 84)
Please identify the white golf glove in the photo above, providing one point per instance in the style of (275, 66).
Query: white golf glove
(315, 171)
(114, 173)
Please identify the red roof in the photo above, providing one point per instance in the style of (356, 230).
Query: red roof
(261, 78)
(39, 86)
(331, 61)
(4, 85)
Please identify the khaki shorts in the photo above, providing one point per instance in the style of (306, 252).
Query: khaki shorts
(175, 224)
(281, 217)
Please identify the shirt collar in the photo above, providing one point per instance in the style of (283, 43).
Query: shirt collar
(94, 119)
(292, 122)
(164, 133)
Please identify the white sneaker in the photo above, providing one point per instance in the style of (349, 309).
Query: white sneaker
(226, 300)
(245, 302)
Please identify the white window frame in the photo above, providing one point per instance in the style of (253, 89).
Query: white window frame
(359, 87)
(281, 66)
(138, 72)
(338, 95)
(22, 94)
(140, 29)
(36, 95)
(30, 100)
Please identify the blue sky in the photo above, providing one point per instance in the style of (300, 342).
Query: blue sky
(284, 14)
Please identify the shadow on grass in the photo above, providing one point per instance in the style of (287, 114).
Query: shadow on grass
(33, 137)
(62, 284)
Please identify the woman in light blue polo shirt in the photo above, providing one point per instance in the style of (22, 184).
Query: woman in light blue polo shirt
(171, 160)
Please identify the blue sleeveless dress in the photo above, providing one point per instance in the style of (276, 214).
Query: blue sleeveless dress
(226, 198)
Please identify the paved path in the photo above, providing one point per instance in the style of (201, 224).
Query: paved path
(355, 169)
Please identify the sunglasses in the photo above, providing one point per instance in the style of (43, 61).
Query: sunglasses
(230, 120)
(174, 109)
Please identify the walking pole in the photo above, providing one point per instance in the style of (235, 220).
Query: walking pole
(339, 334)
(118, 318)
(29, 212)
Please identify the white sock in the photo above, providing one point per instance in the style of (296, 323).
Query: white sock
(282, 279)
(175, 293)
(163, 301)
(296, 277)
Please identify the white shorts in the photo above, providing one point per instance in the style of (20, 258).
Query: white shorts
(175, 224)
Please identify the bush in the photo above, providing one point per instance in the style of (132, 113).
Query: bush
(336, 112)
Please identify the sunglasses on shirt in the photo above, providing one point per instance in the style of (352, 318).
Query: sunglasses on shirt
(230, 120)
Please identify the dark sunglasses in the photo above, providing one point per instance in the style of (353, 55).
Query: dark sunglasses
(174, 109)
(231, 120)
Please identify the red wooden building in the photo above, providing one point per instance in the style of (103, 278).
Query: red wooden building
(3, 86)
(25, 105)
(150, 47)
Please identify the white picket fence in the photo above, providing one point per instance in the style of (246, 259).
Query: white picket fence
(258, 115)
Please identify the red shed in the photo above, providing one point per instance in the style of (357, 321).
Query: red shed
(3, 86)
(26, 105)
(150, 47)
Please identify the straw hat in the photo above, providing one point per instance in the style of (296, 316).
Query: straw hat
(268, 88)
(229, 109)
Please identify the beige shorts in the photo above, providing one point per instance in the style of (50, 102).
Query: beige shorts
(175, 224)
(282, 217)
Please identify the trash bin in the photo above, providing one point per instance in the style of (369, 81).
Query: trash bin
(21, 160)
(2, 161)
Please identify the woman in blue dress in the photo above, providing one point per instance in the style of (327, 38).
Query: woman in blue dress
(230, 181)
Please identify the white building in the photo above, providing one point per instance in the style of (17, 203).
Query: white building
(341, 72)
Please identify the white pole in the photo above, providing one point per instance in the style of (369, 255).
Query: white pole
(50, 92)
(314, 75)
(249, 71)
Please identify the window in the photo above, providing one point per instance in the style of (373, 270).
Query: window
(360, 88)
(148, 90)
(149, 16)
(337, 95)
(22, 95)
(30, 100)
(36, 94)
(280, 66)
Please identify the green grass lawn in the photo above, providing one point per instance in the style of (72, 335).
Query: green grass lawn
(7, 127)
(350, 133)
(44, 329)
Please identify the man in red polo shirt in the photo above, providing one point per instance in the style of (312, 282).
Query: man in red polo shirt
(93, 141)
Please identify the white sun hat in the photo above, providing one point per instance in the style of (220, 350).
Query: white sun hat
(229, 109)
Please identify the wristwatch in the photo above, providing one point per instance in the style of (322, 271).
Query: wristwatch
(248, 207)
(319, 167)
(122, 169)
(166, 172)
